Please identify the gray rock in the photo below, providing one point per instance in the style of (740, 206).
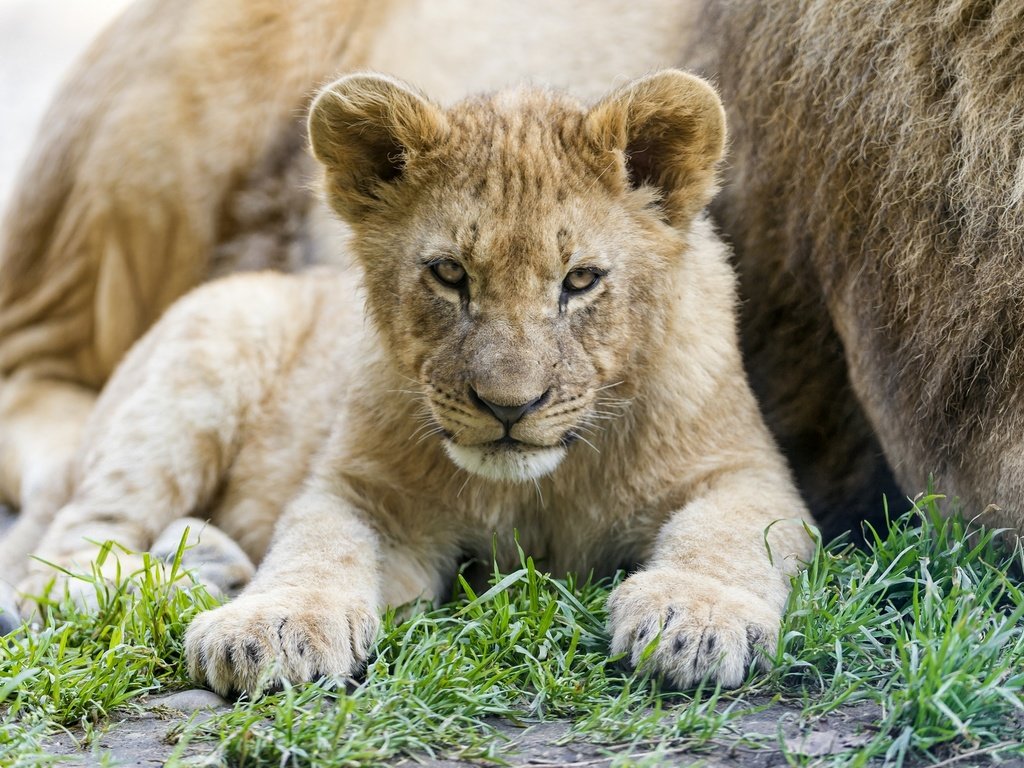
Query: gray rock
(188, 701)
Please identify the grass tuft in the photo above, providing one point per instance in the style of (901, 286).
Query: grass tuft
(926, 623)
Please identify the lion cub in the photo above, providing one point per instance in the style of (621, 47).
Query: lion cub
(537, 335)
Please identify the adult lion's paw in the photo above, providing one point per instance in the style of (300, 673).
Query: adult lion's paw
(260, 641)
(708, 629)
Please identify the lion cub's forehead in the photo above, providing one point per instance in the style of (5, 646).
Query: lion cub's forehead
(519, 181)
(523, 147)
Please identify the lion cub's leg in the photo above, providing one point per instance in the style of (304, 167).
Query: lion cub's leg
(714, 592)
(313, 608)
(157, 449)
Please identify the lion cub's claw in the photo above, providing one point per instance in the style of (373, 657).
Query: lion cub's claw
(258, 642)
(708, 630)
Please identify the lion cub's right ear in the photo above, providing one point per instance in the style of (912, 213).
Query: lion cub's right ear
(365, 129)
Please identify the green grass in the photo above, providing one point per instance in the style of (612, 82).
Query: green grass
(922, 630)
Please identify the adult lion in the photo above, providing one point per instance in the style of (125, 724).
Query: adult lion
(876, 204)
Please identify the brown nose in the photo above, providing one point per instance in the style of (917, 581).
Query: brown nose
(507, 414)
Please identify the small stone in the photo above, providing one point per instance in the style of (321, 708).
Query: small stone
(188, 701)
(10, 621)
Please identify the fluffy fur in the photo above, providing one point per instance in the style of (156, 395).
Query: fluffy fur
(642, 442)
(173, 153)
(876, 203)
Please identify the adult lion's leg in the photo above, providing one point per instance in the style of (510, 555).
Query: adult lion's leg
(796, 356)
(797, 369)
(117, 209)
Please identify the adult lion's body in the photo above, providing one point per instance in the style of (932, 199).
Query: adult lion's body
(876, 202)
(174, 152)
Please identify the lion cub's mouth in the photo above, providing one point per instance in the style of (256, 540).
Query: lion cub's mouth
(506, 459)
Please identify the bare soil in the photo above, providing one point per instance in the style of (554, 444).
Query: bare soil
(150, 736)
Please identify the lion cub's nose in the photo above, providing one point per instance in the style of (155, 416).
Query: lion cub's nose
(507, 414)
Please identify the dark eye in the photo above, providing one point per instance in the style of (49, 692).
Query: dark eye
(580, 280)
(449, 272)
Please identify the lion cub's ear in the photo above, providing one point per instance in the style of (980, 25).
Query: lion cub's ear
(364, 129)
(670, 129)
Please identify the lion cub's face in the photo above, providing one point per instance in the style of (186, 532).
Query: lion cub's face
(513, 271)
(518, 249)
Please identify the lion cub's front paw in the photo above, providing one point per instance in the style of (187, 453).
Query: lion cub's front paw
(262, 640)
(708, 629)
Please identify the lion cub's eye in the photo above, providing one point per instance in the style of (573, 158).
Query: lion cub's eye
(449, 272)
(580, 280)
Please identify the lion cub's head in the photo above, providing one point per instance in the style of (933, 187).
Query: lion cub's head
(519, 249)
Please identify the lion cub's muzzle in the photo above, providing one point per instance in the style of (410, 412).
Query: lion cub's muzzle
(514, 439)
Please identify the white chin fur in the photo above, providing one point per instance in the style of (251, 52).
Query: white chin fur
(500, 464)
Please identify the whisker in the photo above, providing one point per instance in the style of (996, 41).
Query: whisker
(417, 393)
(604, 402)
(612, 407)
(540, 493)
(582, 439)
(604, 405)
(438, 431)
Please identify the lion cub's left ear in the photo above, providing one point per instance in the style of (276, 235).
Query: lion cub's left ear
(365, 129)
(670, 129)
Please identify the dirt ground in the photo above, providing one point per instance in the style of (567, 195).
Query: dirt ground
(148, 737)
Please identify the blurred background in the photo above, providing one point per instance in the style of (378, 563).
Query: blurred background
(39, 39)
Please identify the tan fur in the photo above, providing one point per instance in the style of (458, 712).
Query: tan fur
(249, 381)
(173, 153)
(877, 207)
